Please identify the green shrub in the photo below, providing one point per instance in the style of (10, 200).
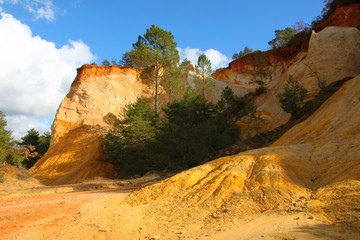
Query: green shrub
(260, 90)
(293, 96)
(130, 143)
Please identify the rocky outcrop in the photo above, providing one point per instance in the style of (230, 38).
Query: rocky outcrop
(328, 54)
(96, 98)
(333, 54)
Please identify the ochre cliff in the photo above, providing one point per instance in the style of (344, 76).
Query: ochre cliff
(329, 53)
(97, 96)
(333, 54)
(344, 16)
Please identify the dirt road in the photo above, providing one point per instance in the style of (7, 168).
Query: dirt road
(44, 217)
(105, 214)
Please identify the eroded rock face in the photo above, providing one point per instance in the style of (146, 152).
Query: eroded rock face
(333, 54)
(96, 98)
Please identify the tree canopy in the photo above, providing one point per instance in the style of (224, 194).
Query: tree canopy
(203, 68)
(35, 145)
(155, 51)
(282, 37)
(8, 151)
(243, 53)
(106, 63)
(293, 96)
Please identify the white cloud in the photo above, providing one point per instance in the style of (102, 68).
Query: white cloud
(35, 75)
(20, 124)
(218, 60)
(190, 54)
(41, 9)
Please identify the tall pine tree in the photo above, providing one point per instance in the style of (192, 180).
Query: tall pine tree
(156, 53)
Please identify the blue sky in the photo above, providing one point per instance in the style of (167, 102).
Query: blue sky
(65, 34)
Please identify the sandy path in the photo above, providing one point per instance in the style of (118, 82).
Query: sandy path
(49, 217)
(299, 226)
(104, 214)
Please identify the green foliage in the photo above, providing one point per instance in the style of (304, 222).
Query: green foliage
(44, 143)
(174, 82)
(188, 133)
(129, 143)
(228, 103)
(232, 106)
(282, 37)
(243, 53)
(194, 130)
(186, 66)
(34, 146)
(106, 62)
(126, 60)
(203, 68)
(301, 26)
(155, 51)
(246, 106)
(260, 90)
(31, 138)
(5, 137)
(293, 96)
(204, 65)
(8, 151)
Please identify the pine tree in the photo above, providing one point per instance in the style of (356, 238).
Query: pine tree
(293, 96)
(204, 70)
(8, 151)
(155, 51)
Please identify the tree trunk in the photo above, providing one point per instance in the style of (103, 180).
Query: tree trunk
(156, 90)
(203, 85)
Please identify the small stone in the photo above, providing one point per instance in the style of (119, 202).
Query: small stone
(311, 217)
(225, 210)
(157, 237)
(297, 218)
(263, 236)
